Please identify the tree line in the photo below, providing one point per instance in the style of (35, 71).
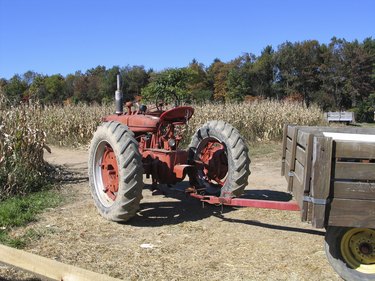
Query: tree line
(339, 75)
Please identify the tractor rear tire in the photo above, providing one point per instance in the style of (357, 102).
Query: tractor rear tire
(351, 252)
(231, 151)
(115, 172)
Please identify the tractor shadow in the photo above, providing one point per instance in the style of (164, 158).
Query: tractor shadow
(183, 208)
(186, 208)
(267, 194)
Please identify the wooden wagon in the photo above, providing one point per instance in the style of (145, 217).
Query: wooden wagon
(331, 173)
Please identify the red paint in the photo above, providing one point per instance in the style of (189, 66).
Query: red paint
(214, 161)
(110, 173)
(243, 202)
(160, 163)
(180, 114)
(137, 123)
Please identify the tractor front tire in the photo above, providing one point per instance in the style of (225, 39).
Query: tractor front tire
(351, 252)
(115, 172)
(221, 157)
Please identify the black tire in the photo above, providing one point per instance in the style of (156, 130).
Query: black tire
(236, 152)
(120, 140)
(338, 237)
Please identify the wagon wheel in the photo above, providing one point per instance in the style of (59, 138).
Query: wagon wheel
(115, 172)
(221, 159)
(351, 252)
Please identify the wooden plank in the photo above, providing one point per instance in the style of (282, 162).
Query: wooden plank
(298, 195)
(307, 177)
(297, 192)
(287, 169)
(350, 137)
(349, 130)
(293, 156)
(300, 155)
(308, 162)
(320, 178)
(288, 157)
(282, 167)
(361, 150)
(352, 213)
(355, 171)
(51, 269)
(290, 130)
(285, 132)
(299, 172)
(289, 144)
(302, 138)
(354, 190)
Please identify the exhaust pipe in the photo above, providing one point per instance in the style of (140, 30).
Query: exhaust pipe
(119, 97)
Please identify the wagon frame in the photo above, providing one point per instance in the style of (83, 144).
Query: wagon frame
(331, 173)
(333, 180)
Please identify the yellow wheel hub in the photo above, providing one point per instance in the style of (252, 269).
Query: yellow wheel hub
(358, 249)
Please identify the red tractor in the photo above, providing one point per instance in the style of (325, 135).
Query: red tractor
(145, 141)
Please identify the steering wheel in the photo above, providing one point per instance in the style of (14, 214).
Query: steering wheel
(166, 100)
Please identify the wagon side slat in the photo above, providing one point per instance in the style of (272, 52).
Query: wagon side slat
(364, 150)
(293, 136)
(355, 171)
(354, 190)
(351, 212)
(321, 178)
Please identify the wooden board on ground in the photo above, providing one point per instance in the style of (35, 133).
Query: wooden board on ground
(51, 269)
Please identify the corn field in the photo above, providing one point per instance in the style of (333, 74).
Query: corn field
(25, 130)
(22, 169)
(74, 125)
(257, 121)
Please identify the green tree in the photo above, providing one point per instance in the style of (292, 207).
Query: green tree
(37, 90)
(174, 80)
(263, 69)
(95, 80)
(198, 85)
(298, 66)
(15, 89)
(217, 76)
(108, 84)
(55, 89)
(81, 88)
(241, 78)
(135, 79)
(69, 86)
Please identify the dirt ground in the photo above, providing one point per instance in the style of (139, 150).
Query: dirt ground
(176, 238)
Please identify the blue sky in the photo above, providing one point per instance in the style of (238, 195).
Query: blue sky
(62, 36)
